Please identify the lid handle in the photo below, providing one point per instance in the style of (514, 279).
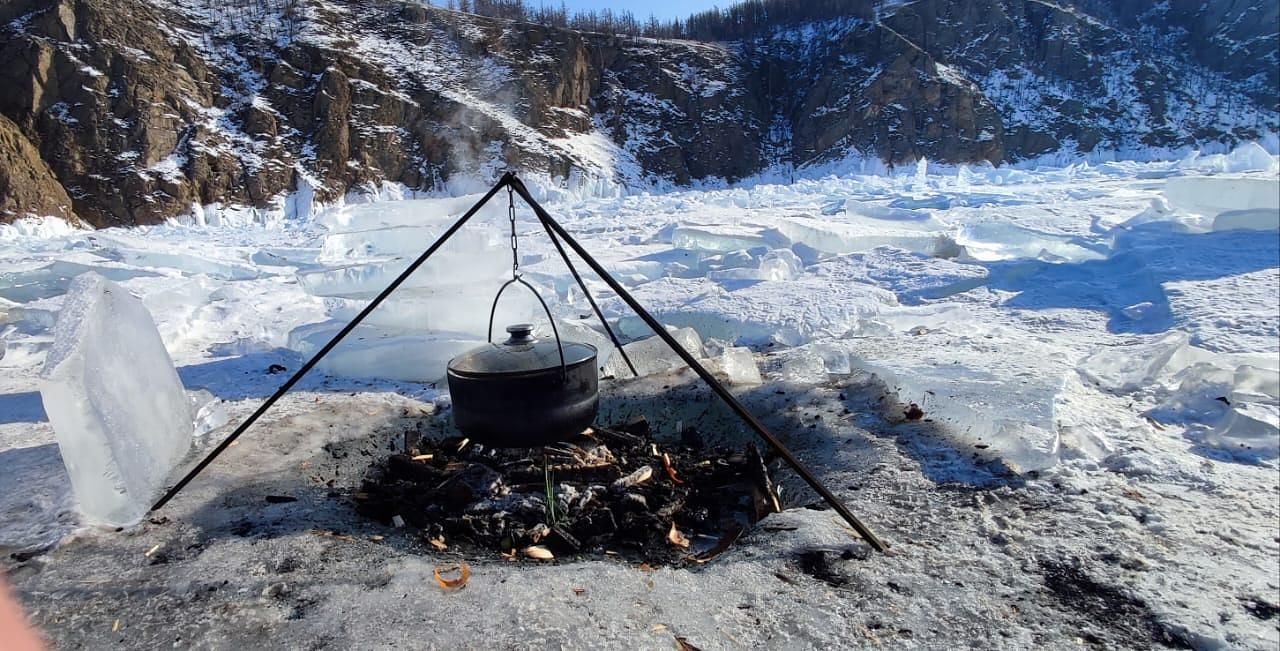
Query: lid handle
(521, 333)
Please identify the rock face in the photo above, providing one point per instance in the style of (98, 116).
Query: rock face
(27, 185)
(139, 111)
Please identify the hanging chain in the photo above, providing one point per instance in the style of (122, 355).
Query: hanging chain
(515, 248)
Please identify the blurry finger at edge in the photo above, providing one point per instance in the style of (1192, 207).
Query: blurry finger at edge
(15, 633)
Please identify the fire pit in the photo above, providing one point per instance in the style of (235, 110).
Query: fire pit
(607, 491)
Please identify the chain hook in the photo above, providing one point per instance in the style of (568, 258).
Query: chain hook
(515, 247)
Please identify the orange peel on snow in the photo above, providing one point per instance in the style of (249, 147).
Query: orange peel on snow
(464, 575)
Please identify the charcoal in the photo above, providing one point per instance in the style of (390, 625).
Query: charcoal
(690, 437)
(562, 540)
(609, 492)
(474, 482)
(634, 501)
(402, 466)
(638, 426)
(596, 524)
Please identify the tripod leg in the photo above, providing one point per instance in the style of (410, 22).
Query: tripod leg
(702, 372)
(600, 315)
(311, 363)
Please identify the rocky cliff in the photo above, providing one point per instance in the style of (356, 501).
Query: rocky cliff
(129, 112)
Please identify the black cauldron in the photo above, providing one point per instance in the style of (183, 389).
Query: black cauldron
(524, 392)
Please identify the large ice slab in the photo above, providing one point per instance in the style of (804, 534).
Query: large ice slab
(189, 260)
(986, 388)
(117, 407)
(1234, 410)
(460, 309)
(803, 365)
(1213, 195)
(993, 240)
(1254, 219)
(739, 366)
(756, 264)
(470, 257)
(1125, 369)
(409, 212)
(26, 285)
(754, 312)
(408, 241)
(374, 352)
(585, 331)
(653, 355)
(1248, 157)
(859, 232)
(723, 237)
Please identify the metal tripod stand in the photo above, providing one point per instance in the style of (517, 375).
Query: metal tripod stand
(558, 235)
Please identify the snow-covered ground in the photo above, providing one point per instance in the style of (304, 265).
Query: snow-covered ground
(1095, 350)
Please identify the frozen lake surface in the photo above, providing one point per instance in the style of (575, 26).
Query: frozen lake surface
(1095, 350)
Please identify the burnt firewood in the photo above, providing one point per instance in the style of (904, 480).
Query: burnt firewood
(470, 484)
(764, 492)
(596, 524)
(561, 538)
(402, 466)
(619, 437)
(638, 426)
(611, 493)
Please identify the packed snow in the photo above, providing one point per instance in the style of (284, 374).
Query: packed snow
(1019, 376)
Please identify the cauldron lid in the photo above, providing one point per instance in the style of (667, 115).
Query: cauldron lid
(521, 353)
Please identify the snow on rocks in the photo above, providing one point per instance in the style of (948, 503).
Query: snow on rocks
(118, 409)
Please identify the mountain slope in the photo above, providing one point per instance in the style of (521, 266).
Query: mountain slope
(141, 110)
